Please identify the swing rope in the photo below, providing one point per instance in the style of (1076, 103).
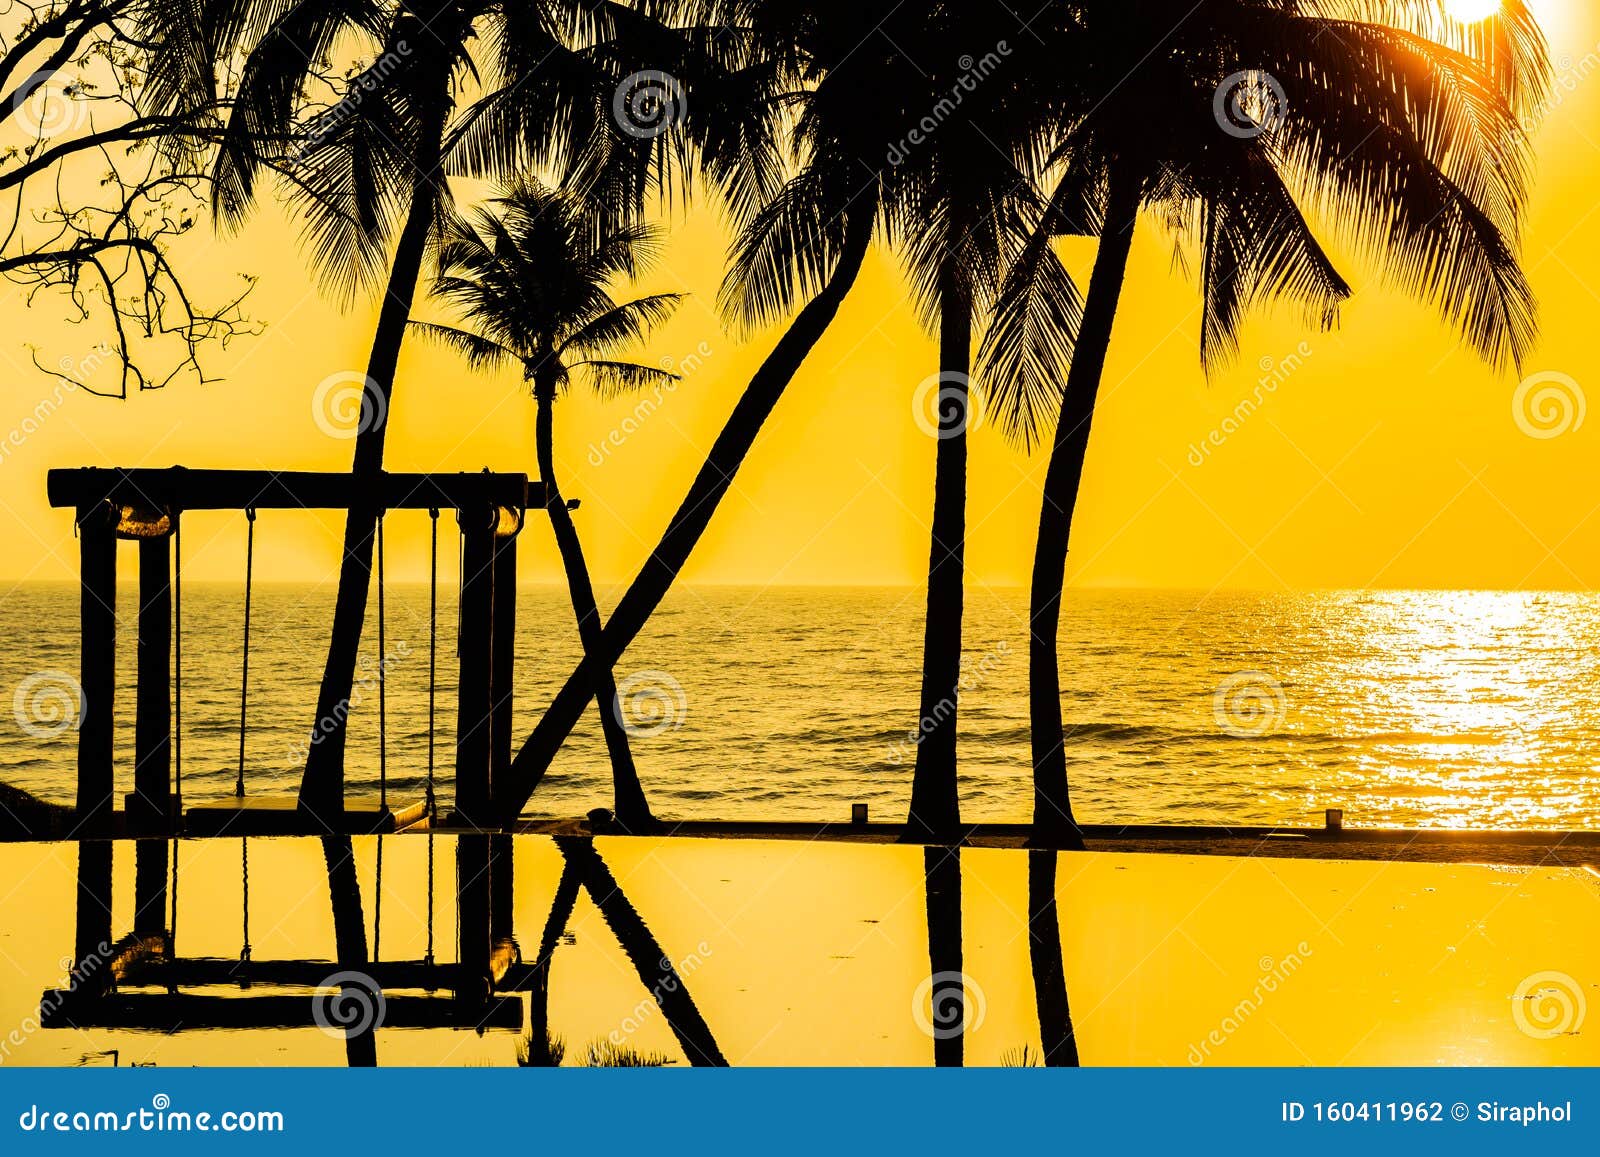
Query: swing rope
(433, 652)
(244, 700)
(383, 663)
(177, 726)
(383, 749)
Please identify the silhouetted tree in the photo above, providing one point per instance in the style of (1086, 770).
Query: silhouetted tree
(1373, 111)
(530, 277)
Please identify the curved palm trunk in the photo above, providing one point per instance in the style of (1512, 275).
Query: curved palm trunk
(1053, 823)
(632, 811)
(692, 517)
(935, 801)
(322, 784)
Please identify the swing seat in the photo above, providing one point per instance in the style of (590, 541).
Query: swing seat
(281, 816)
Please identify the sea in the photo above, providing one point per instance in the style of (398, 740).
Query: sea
(1402, 708)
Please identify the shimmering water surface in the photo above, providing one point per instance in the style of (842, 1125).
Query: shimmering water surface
(1409, 708)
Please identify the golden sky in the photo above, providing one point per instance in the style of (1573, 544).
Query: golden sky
(1385, 456)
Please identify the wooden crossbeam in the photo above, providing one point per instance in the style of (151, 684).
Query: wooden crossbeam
(182, 488)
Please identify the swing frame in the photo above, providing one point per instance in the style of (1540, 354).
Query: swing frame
(146, 505)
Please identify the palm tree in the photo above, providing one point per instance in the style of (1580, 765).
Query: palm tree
(846, 89)
(825, 77)
(1376, 112)
(967, 213)
(364, 161)
(528, 276)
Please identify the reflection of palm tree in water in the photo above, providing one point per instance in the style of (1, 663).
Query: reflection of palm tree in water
(1044, 952)
(350, 940)
(948, 990)
(655, 968)
(942, 873)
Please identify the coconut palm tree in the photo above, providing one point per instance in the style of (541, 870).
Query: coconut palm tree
(528, 276)
(966, 214)
(846, 90)
(1239, 122)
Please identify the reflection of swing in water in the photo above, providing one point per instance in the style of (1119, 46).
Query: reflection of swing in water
(145, 505)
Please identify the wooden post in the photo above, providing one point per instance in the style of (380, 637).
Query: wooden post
(473, 714)
(503, 657)
(97, 553)
(150, 804)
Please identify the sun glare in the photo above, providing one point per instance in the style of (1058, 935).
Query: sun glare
(1471, 11)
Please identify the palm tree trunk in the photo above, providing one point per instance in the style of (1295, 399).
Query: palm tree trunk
(1053, 823)
(632, 810)
(935, 801)
(322, 784)
(693, 515)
